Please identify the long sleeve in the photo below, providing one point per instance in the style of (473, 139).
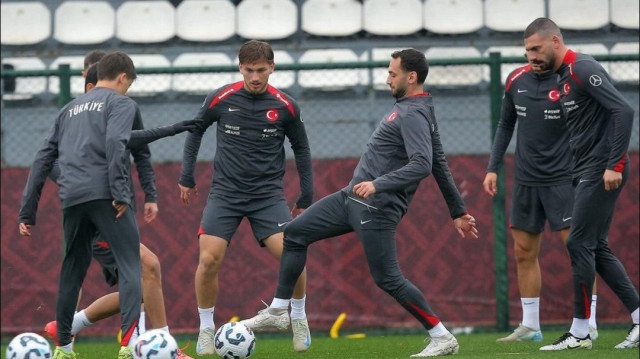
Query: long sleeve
(300, 145)
(504, 133)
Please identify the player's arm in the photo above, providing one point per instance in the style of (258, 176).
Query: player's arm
(146, 175)
(297, 135)
(40, 169)
(143, 137)
(415, 129)
(504, 133)
(119, 125)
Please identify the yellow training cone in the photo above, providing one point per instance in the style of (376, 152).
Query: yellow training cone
(335, 328)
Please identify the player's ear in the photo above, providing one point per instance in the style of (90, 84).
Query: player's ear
(89, 87)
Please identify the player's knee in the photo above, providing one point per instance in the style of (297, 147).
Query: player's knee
(210, 261)
(524, 254)
(150, 266)
(293, 244)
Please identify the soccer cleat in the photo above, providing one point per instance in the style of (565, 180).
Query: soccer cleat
(61, 354)
(522, 334)
(51, 330)
(301, 334)
(632, 339)
(126, 352)
(265, 319)
(439, 346)
(568, 341)
(593, 333)
(206, 343)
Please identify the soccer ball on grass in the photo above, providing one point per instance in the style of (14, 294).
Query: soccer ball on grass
(156, 344)
(28, 346)
(235, 340)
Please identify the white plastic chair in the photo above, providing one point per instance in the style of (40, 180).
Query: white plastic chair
(591, 49)
(579, 14)
(453, 75)
(24, 23)
(77, 82)
(26, 87)
(330, 79)
(452, 16)
(512, 15)
(145, 21)
(505, 69)
(84, 22)
(380, 73)
(625, 13)
(201, 83)
(332, 17)
(627, 71)
(205, 20)
(267, 19)
(392, 17)
(150, 84)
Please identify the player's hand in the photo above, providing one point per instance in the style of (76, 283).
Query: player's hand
(120, 208)
(296, 211)
(364, 189)
(490, 183)
(612, 180)
(186, 192)
(150, 211)
(466, 224)
(188, 125)
(25, 229)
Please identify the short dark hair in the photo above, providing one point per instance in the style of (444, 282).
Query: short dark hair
(115, 63)
(92, 58)
(254, 51)
(413, 60)
(543, 26)
(92, 76)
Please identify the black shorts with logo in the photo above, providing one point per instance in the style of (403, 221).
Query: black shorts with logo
(531, 206)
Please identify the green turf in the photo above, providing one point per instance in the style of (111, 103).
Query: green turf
(390, 347)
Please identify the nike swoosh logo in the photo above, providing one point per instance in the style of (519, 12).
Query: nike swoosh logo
(521, 91)
(363, 222)
(566, 219)
(307, 342)
(283, 223)
(233, 109)
(528, 303)
(583, 180)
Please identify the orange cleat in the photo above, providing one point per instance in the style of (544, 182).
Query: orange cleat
(51, 330)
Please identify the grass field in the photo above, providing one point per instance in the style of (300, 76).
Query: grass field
(391, 347)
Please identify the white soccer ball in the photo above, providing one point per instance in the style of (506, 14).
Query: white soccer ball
(156, 344)
(28, 346)
(235, 340)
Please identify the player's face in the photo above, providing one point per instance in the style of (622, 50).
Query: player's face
(540, 52)
(256, 76)
(397, 79)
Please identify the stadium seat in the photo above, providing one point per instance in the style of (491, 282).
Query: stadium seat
(438, 15)
(150, 84)
(506, 51)
(201, 83)
(625, 13)
(579, 14)
(330, 79)
(512, 15)
(380, 73)
(84, 22)
(453, 75)
(267, 19)
(626, 71)
(26, 87)
(392, 17)
(205, 20)
(332, 17)
(145, 21)
(77, 82)
(24, 23)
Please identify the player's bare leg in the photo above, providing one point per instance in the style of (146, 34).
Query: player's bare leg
(152, 294)
(212, 251)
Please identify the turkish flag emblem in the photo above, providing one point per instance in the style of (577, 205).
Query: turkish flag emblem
(272, 115)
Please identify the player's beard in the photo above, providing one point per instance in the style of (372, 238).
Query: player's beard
(399, 92)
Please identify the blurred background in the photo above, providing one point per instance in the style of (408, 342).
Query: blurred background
(331, 56)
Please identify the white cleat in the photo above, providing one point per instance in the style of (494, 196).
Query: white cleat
(632, 339)
(568, 341)
(206, 341)
(301, 334)
(440, 346)
(522, 334)
(593, 333)
(267, 318)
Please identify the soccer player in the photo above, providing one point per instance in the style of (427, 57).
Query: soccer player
(89, 141)
(108, 305)
(599, 120)
(252, 119)
(542, 189)
(404, 149)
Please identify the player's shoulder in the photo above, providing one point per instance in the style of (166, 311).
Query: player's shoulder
(517, 75)
(284, 99)
(585, 65)
(222, 93)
